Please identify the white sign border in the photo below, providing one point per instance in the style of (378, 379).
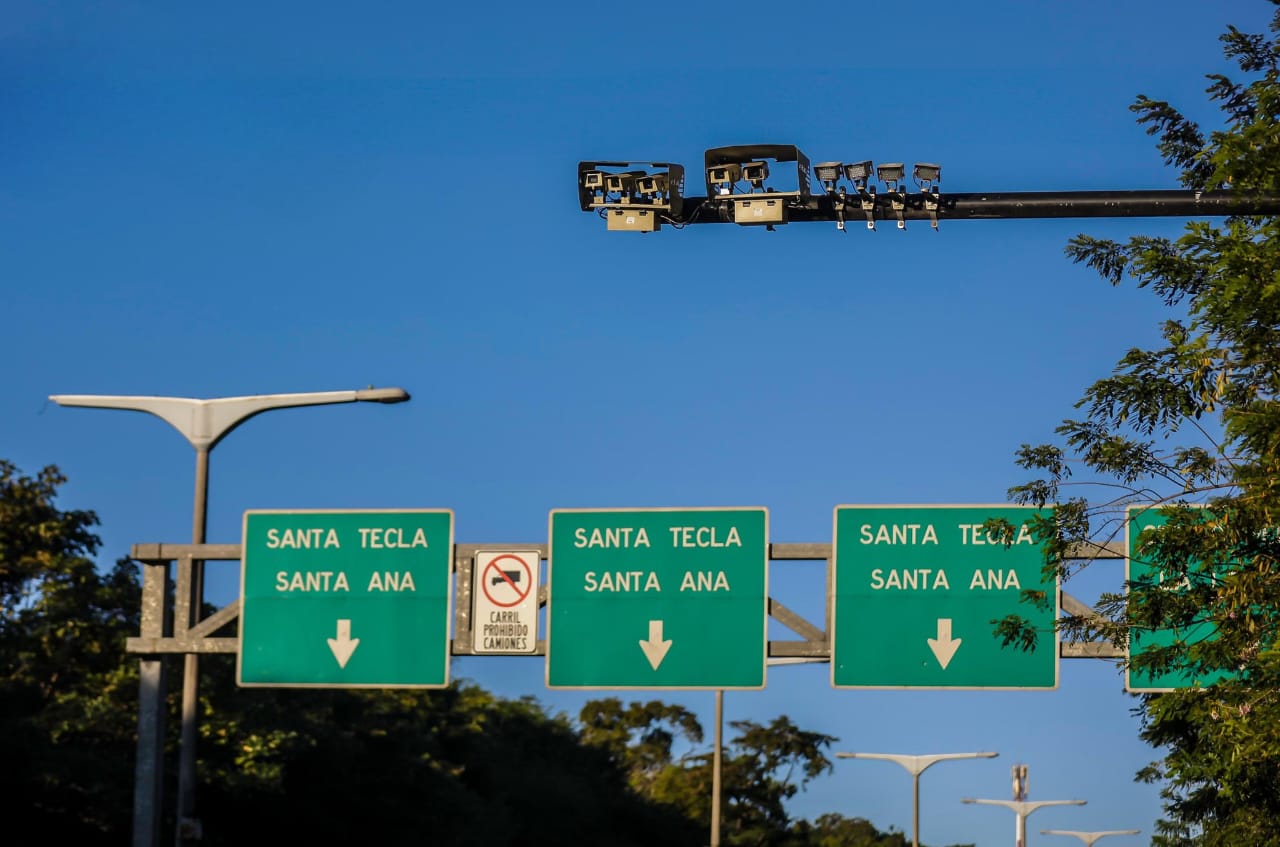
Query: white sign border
(531, 559)
(1057, 603)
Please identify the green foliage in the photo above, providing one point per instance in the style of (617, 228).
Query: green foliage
(36, 538)
(638, 738)
(766, 766)
(763, 766)
(832, 830)
(67, 700)
(1194, 422)
(451, 767)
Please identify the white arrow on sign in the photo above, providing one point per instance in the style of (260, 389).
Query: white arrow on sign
(943, 647)
(344, 645)
(655, 649)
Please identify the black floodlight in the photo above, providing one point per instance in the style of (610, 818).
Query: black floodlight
(855, 171)
(647, 193)
(891, 173)
(756, 173)
(858, 173)
(828, 173)
(754, 163)
(723, 178)
(926, 174)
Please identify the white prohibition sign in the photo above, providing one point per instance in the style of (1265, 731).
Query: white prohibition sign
(504, 587)
(503, 577)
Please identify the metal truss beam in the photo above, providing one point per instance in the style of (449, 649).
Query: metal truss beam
(166, 631)
(887, 207)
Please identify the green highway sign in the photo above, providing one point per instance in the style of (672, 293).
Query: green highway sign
(1137, 519)
(657, 598)
(915, 589)
(345, 599)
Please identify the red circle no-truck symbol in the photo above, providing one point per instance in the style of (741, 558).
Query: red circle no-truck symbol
(507, 580)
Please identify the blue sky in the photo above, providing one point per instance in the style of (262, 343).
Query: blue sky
(234, 200)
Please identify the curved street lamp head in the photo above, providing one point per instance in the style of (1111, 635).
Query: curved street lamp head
(205, 422)
(381, 395)
(916, 765)
(1024, 807)
(1090, 837)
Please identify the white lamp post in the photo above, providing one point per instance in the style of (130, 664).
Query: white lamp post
(1023, 808)
(916, 765)
(1090, 837)
(204, 423)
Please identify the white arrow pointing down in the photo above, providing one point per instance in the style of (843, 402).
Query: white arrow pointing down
(655, 649)
(944, 647)
(344, 645)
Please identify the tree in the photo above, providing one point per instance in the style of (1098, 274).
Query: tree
(453, 767)
(638, 738)
(67, 699)
(767, 765)
(832, 830)
(1192, 428)
(36, 538)
(763, 765)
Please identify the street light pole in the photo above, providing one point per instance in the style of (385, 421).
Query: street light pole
(203, 423)
(1023, 809)
(916, 765)
(717, 755)
(1090, 837)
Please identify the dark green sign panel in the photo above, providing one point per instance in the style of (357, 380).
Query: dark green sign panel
(345, 599)
(1139, 518)
(915, 591)
(657, 598)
